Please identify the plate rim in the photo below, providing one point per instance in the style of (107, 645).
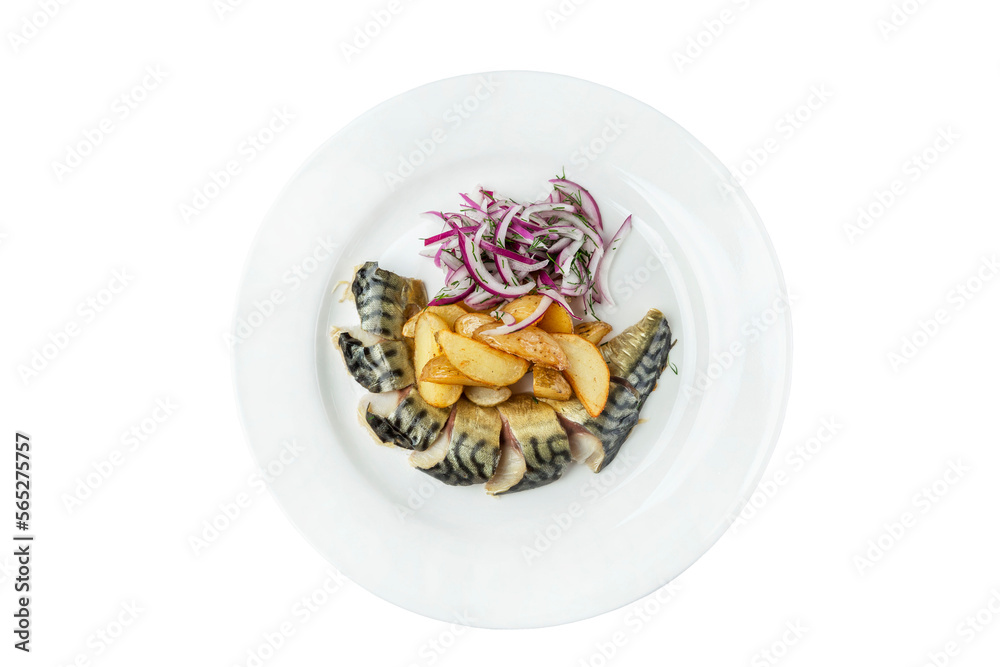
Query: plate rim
(753, 481)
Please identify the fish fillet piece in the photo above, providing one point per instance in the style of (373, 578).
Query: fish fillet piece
(470, 451)
(534, 447)
(385, 300)
(639, 353)
(636, 357)
(596, 441)
(510, 469)
(438, 450)
(413, 424)
(381, 405)
(383, 366)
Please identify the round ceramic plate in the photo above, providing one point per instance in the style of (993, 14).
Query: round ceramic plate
(587, 543)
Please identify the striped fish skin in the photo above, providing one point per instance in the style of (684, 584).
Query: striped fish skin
(639, 354)
(414, 424)
(438, 450)
(611, 428)
(379, 406)
(474, 449)
(384, 366)
(385, 300)
(534, 428)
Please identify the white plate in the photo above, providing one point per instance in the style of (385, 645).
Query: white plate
(588, 543)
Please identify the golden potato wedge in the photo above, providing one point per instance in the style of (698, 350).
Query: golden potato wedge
(588, 373)
(441, 371)
(410, 326)
(523, 307)
(531, 343)
(467, 324)
(550, 383)
(555, 320)
(487, 397)
(447, 313)
(481, 362)
(426, 347)
(592, 331)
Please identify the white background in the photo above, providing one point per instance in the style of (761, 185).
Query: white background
(796, 560)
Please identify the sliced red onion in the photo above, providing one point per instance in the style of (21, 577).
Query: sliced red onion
(576, 223)
(559, 245)
(460, 285)
(444, 236)
(596, 255)
(546, 208)
(449, 300)
(496, 250)
(478, 217)
(514, 257)
(588, 203)
(559, 299)
(622, 234)
(526, 269)
(531, 226)
(604, 270)
(522, 231)
(567, 231)
(488, 303)
(446, 249)
(500, 263)
(500, 236)
(478, 298)
(485, 196)
(536, 315)
(502, 317)
(486, 280)
(567, 256)
(574, 289)
(472, 204)
(593, 269)
(450, 260)
(501, 233)
(545, 280)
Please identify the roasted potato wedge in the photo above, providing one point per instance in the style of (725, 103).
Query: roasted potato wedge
(481, 362)
(593, 332)
(487, 397)
(426, 347)
(447, 313)
(410, 326)
(467, 324)
(550, 383)
(588, 373)
(530, 343)
(441, 371)
(555, 320)
(523, 306)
